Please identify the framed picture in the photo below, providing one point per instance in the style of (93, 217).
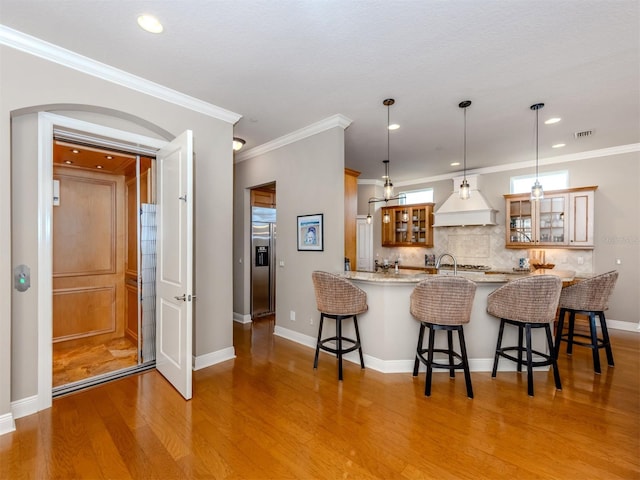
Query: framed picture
(310, 233)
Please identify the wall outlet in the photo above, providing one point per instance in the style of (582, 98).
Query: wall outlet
(580, 260)
(292, 316)
(311, 321)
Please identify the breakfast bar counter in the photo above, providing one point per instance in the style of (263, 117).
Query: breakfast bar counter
(389, 333)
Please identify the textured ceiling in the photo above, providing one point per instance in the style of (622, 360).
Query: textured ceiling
(284, 65)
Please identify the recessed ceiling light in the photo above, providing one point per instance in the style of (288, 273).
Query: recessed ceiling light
(150, 24)
(455, 164)
(68, 162)
(108, 157)
(98, 166)
(559, 145)
(394, 126)
(75, 151)
(553, 120)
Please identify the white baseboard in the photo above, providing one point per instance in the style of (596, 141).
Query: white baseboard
(213, 358)
(25, 406)
(7, 424)
(620, 325)
(241, 318)
(395, 366)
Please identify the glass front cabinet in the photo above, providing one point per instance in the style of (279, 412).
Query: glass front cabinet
(409, 225)
(563, 218)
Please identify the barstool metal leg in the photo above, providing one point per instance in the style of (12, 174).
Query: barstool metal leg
(594, 343)
(416, 363)
(315, 361)
(355, 323)
(452, 371)
(572, 322)
(529, 359)
(559, 329)
(465, 362)
(339, 345)
(495, 359)
(554, 365)
(427, 386)
(519, 348)
(605, 339)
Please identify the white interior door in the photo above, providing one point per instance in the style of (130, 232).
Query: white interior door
(174, 274)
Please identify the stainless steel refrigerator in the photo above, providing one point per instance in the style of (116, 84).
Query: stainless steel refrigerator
(263, 261)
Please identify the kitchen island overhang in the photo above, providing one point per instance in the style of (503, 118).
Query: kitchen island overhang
(389, 333)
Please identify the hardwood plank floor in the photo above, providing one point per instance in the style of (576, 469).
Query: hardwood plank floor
(268, 414)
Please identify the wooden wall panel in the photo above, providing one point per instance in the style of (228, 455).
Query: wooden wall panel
(88, 256)
(82, 312)
(84, 227)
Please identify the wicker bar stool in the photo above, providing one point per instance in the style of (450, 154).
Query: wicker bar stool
(442, 303)
(589, 297)
(339, 299)
(527, 303)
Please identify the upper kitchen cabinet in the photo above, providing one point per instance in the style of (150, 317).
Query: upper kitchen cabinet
(409, 226)
(563, 218)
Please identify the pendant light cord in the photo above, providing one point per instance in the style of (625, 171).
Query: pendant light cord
(465, 144)
(388, 150)
(537, 109)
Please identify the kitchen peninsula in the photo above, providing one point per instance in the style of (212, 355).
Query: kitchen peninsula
(390, 334)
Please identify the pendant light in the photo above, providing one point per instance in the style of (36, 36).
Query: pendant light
(465, 191)
(536, 189)
(387, 193)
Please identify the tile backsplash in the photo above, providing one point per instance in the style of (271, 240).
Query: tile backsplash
(484, 246)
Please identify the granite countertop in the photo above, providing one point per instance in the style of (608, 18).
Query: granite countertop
(410, 276)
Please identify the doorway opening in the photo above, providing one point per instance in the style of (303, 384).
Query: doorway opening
(263, 251)
(103, 259)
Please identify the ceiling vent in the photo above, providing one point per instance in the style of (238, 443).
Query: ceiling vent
(583, 134)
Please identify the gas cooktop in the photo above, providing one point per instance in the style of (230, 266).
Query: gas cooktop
(478, 268)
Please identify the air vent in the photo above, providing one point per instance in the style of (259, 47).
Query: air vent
(583, 134)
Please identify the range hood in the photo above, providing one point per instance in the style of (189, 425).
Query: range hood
(455, 212)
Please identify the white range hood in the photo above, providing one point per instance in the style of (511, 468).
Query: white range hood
(455, 212)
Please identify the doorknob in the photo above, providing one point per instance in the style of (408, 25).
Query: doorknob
(182, 297)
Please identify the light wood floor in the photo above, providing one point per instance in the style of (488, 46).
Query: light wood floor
(86, 360)
(268, 414)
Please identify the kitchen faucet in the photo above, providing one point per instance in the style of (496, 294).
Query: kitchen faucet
(455, 263)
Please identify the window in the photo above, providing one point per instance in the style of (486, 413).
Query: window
(417, 196)
(549, 181)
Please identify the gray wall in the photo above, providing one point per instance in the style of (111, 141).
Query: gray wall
(27, 83)
(617, 225)
(309, 176)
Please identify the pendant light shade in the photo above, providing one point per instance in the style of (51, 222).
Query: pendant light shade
(536, 190)
(387, 192)
(465, 191)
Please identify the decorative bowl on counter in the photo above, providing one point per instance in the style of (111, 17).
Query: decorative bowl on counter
(547, 266)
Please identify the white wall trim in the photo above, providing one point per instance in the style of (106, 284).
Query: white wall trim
(621, 325)
(208, 359)
(572, 157)
(46, 124)
(7, 424)
(53, 53)
(337, 120)
(394, 366)
(25, 406)
(241, 318)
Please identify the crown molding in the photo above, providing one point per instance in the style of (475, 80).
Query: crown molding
(571, 157)
(53, 53)
(337, 120)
